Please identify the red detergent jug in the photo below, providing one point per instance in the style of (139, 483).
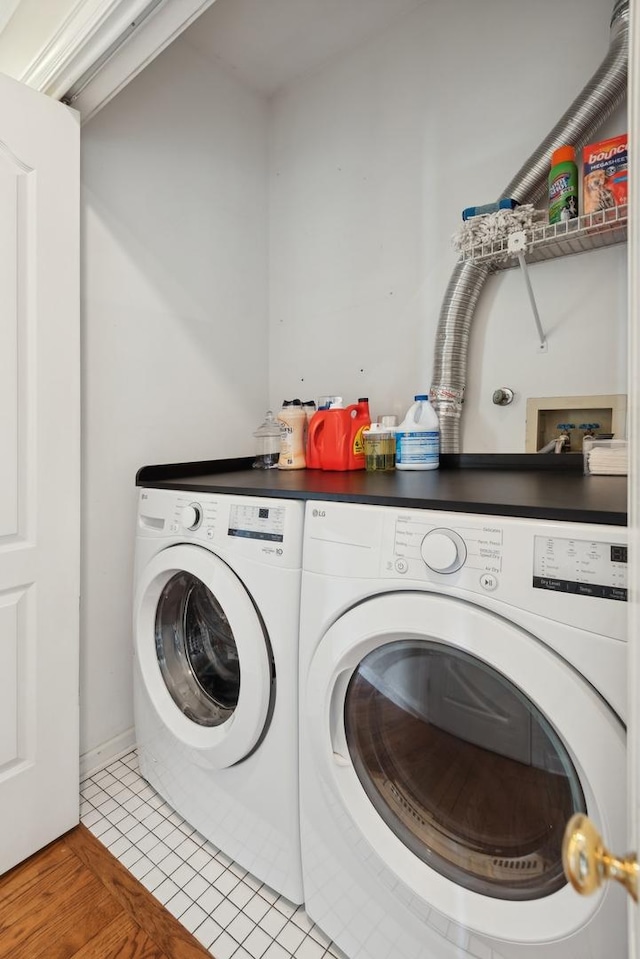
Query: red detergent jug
(335, 440)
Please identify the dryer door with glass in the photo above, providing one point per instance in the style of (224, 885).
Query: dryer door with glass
(460, 745)
(203, 653)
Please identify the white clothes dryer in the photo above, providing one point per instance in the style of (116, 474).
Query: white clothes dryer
(216, 616)
(463, 694)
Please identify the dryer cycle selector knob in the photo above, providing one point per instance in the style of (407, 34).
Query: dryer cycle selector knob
(443, 550)
(191, 516)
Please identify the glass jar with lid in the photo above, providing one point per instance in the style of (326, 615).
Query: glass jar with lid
(267, 443)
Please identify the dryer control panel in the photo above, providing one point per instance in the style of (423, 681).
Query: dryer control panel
(447, 548)
(581, 566)
(572, 573)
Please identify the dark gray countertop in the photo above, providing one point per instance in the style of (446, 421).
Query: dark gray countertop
(492, 485)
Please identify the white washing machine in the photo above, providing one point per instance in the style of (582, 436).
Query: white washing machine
(462, 695)
(216, 616)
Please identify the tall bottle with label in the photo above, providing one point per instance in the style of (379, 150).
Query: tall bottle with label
(418, 437)
(293, 421)
(563, 185)
(310, 409)
(360, 421)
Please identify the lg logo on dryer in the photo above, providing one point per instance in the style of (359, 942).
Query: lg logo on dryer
(319, 513)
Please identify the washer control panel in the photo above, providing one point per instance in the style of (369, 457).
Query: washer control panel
(191, 516)
(248, 520)
(257, 522)
(265, 529)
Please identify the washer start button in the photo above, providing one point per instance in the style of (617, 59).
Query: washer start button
(489, 582)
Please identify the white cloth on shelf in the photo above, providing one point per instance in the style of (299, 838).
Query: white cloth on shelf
(607, 461)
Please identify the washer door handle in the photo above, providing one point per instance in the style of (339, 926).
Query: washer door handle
(337, 733)
(340, 760)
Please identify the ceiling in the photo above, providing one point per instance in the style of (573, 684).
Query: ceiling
(266, 44)
(7, 10)
(26, 26)
(269, 43)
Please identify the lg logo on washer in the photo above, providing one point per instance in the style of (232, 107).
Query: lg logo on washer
(319, 513)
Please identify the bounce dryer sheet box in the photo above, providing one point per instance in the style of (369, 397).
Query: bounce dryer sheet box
(604, 175)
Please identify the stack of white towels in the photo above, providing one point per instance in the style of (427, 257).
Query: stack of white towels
(608, 460)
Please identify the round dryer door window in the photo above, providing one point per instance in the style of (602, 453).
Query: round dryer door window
(197, 651)
(203, 653)
(463, 767)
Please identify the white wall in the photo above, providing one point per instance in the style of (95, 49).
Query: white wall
(373, 159)
(174, 323)
(370, 160)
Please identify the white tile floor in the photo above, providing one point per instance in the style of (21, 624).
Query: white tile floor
(231, 913)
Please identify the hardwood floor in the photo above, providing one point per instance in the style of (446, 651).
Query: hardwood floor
(74, 900)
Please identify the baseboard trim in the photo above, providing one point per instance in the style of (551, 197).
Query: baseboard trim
(96, 759)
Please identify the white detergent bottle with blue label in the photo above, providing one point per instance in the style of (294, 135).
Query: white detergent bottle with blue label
(418, 437)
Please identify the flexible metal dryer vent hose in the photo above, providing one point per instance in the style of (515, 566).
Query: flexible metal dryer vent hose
(602, 94)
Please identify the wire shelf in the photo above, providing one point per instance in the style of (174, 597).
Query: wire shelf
(546, 241)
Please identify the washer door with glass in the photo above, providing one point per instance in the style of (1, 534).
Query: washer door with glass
(460, 746)
(203, 653)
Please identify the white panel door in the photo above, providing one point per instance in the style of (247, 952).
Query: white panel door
(634, 466)
(39, 469)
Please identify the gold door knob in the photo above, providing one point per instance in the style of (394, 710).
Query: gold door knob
(587, 863)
